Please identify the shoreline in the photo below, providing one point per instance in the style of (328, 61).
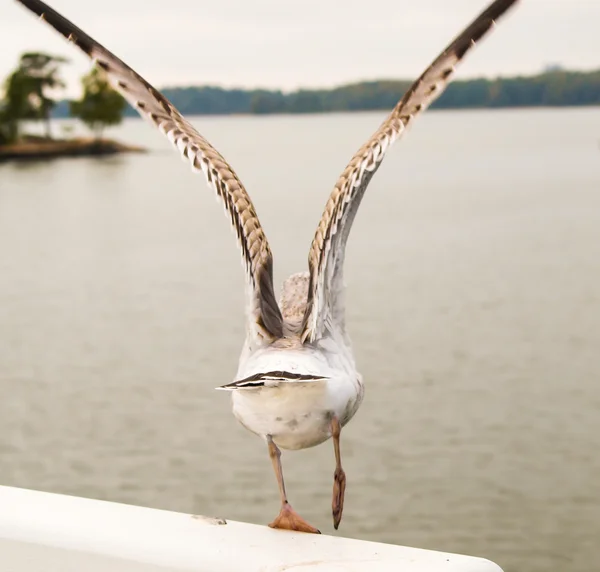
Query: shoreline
(39, 149)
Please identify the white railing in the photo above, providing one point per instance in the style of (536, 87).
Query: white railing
(43, 532)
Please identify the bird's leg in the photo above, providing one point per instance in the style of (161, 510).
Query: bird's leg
(288, 518)
(339, 477)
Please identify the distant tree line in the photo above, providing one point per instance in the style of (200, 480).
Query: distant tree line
(29, 93)
(552, 88)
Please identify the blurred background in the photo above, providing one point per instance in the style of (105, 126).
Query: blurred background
(473, 268)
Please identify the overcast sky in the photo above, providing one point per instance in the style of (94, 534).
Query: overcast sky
(311, 43)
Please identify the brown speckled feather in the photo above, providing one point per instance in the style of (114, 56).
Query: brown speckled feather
(264, 317)
(326, 256)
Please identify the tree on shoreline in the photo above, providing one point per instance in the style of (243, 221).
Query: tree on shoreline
(26, 94)
(41, 73)
(16, 106)
(100, 106)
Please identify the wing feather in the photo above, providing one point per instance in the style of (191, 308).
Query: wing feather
(326, 256)
(264, 316)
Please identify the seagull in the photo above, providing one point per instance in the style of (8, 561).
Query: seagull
(297, 384)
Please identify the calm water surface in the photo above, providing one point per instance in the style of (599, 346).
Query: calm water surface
(474, 307)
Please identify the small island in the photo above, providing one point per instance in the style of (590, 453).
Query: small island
(27, 99)
(31, 148)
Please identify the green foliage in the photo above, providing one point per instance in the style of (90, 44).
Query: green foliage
(8, 131)
(552, 88)
(26, 93)
(27, 89)
(19, 103)
(263, 102)
(211, 100)
(16, 105)
(100, 105)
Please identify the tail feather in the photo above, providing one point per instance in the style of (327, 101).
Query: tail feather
(270, 379)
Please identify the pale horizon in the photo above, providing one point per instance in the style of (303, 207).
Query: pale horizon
(313, 45)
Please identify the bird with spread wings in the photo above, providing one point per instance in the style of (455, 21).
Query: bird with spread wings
(297, 383)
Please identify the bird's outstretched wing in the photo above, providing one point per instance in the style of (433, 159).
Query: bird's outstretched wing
(264, 316)
(326, 257)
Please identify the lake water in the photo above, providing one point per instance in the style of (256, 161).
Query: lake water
(473, 276)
